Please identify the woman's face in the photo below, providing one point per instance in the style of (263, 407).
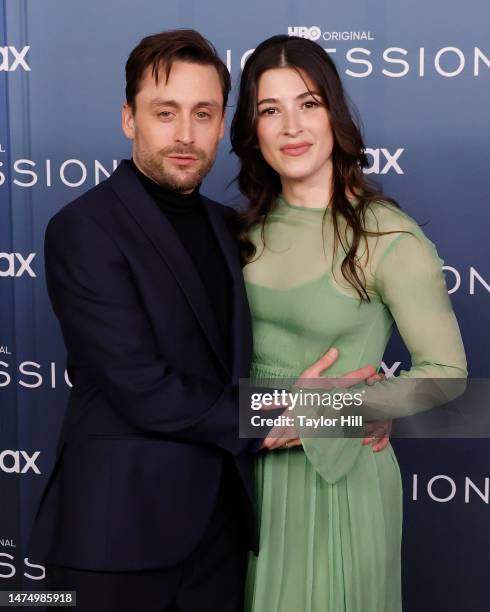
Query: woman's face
(293, 127)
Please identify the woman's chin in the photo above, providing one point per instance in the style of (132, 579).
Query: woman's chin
(295, 175)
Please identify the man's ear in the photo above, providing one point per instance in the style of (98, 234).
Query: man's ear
(127, 118)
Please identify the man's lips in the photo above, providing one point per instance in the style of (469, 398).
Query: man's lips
(183, 160)
(295, 150)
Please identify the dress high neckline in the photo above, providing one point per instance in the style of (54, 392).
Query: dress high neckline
(281, 200)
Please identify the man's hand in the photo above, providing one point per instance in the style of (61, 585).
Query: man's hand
(279, 437)
(378, 431)
(378, 434)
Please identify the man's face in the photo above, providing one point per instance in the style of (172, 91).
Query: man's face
(177, 125)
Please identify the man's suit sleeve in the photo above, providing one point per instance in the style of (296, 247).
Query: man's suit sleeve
(107, 331)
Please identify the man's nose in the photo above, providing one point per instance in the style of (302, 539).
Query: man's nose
(184, 130)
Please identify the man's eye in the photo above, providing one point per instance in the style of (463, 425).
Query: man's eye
(164, 114)
(203, 115)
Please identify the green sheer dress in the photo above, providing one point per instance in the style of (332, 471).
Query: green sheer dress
(330, 512)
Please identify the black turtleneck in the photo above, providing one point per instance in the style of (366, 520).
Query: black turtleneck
(188, 217)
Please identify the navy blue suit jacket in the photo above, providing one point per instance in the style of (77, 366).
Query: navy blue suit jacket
(154, 406)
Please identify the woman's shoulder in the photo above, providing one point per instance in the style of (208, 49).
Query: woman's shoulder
(396, 235)
(402, 242)
(384, 216)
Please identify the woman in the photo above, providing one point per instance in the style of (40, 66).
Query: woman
(330, 262)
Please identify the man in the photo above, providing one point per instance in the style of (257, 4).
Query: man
(150, 504)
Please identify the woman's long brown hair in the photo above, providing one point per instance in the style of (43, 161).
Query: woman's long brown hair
(261, 184)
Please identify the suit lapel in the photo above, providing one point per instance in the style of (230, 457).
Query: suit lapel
(241, 322)
(167, 244)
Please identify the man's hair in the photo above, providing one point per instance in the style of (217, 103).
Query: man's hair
(161, 50)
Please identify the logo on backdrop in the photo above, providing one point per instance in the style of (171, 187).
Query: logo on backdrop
(7, 562)
(32, 375)
(468, 280)
(472, 279)
(390, 370)
(16, 264)
(383, 161)
(395, 61)
(69, 172)
(19, 462)
(11, 59)
(315, 33)
(443, 488)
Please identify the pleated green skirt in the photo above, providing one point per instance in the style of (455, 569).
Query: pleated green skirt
(326, 547)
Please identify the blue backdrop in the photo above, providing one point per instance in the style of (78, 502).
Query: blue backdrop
(418, 71)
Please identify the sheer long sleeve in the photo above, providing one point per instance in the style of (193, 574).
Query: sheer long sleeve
(411, 283)
(409, 280)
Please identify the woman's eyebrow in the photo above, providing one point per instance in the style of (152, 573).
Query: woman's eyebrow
(306, 94)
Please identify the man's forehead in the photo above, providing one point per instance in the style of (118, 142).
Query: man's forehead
(179, 69)
(184, 79)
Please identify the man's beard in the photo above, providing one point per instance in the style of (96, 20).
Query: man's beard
(185, 179)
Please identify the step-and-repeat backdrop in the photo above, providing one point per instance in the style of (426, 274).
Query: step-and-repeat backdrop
(419, 72)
